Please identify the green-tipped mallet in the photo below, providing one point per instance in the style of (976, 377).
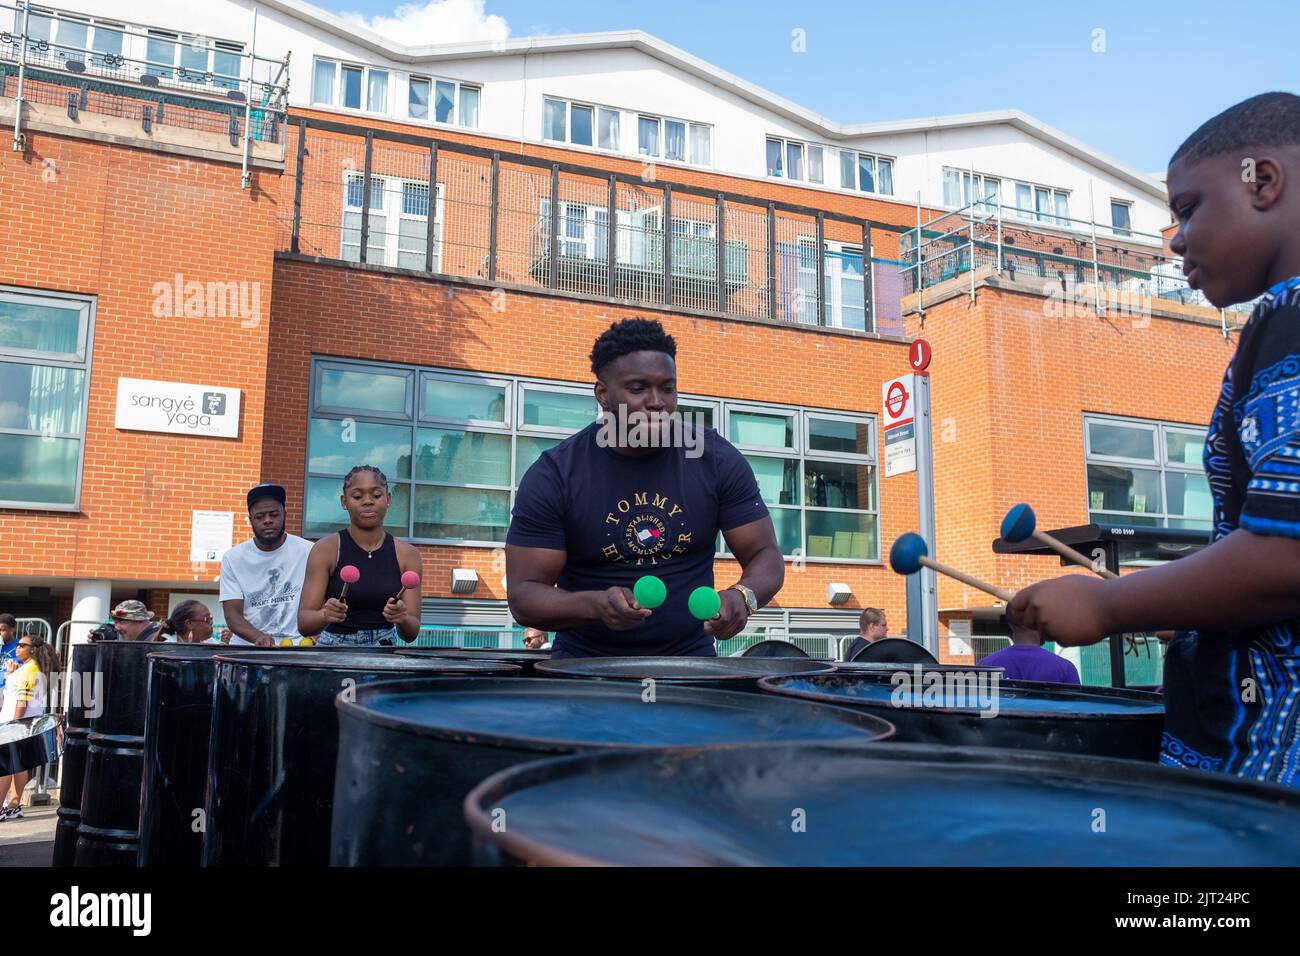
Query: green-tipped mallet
(704, 603)
(649, 591)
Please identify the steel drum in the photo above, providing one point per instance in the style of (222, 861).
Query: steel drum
(176, 731)
(1020, 715)
(409, 752)
(719, 673)
(83, 698)
(522, 657)
(108, 834)
(774, 649)
(895, 650)
(892, 805)
(273, 748)
(884, 667)
(29, 743)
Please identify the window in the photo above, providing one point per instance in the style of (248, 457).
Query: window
(354, 87)
(647, 143)
(581, 124)
(866, 173)
(806, 162)
(453, 103)
(194, 60)
(1146, 473)
(377, 91)
(399, 222)
(674, 139)
(44, 367)
(957, 193)
(455, 446)
(454, 452)
(844, 306)
(1042, 203)
(816, 472)
(1121, 217)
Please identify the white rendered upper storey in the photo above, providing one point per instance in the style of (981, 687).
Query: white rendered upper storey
(633, 95)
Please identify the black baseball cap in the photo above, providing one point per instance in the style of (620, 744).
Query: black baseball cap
(265, 491)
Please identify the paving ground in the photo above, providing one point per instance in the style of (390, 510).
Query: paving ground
(29, 841)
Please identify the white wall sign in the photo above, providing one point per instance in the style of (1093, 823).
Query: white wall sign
(899, 417)
(205, 410)
(211, 534)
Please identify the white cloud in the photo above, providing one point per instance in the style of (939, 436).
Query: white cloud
(435, 21)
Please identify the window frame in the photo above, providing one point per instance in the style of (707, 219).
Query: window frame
(83, 363)
(1127, 205)
(391, 192)
(424, 418)
(457, 119)
(1160, 464)
(806, 148)
(341, 66)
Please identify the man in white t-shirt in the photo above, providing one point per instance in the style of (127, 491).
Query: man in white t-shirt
(261, 578)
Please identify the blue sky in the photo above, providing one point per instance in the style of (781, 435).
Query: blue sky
(1166, 66)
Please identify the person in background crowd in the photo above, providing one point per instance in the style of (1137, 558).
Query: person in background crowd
(9, 637)
(534, 639)
(261, 578)
(134, 622)
(1027, 659)
(378, 609)
(872, 626)
(190, 623)
(26, 695)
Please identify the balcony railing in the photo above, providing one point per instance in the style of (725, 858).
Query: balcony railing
(363, 196)
(1116, 263)
(52, 57)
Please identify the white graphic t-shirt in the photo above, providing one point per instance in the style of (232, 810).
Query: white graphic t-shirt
(270, 583)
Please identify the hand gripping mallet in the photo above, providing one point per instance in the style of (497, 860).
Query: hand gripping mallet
(409, 580)
(908, 555)
(1021, 523)
(348, 574)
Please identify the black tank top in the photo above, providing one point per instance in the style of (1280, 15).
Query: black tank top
(381, 579)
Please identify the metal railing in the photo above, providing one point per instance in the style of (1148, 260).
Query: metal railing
(412, 202)
(1124, 267)
(241, 95)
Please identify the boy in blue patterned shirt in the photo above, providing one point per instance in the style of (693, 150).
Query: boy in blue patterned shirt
(1232, 673)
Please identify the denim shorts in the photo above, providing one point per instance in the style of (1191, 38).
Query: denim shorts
(379, 635)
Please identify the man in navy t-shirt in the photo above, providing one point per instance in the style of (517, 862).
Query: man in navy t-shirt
(1027, 659)
(638, 492)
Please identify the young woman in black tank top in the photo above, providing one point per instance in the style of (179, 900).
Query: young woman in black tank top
(369, 615)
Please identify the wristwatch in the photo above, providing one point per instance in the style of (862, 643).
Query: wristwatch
(751, 600)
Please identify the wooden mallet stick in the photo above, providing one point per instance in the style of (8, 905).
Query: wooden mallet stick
(909, 555)
(1021, 523)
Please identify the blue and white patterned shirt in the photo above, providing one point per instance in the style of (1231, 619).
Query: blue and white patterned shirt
(1233, 696)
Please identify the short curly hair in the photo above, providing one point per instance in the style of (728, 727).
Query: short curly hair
(628, 336)
(1269, 119)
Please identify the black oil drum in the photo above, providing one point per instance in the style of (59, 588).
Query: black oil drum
(84, 696)
(521, 657)
(895, 650)
(410, 752)
(719, 673)
(110, 801)
(884, 667)
(774, 649)
(176, 753)
(981, 710)
(124, 671)
(892, 805)
(28, 743)
(274, 745)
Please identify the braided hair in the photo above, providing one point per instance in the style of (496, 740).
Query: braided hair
(379, 475)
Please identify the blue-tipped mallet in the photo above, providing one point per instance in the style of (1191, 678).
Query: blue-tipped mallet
(1021, 524)
(909, 554)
